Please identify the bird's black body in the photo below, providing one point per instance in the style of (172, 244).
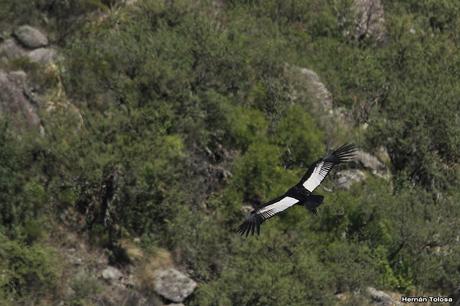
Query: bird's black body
(301, 193)
(298, 192)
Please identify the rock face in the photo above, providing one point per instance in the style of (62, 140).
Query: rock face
(382, 154)
(21, 100)
(14, 102)
(10, 50)
(27, 42)
(372, 163)
(30, 37)
(111, 274)
(364, 160)
(173, 285)
(380, 298)
(42, 55)
(346, 178)
(369, 161)
(370, 21)
(307, 88)
(317, 89)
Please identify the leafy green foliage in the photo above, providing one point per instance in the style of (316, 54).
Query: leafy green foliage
(84, 286)
(23, 198)
(297, 133)
(27, 271)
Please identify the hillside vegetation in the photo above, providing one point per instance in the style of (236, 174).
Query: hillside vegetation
(187, 112)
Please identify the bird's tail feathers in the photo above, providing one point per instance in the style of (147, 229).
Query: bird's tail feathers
(312, 202)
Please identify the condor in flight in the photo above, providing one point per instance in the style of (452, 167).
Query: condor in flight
(301, 193)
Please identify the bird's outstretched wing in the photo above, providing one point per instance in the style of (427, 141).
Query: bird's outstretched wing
(321, 168)
(271, 208)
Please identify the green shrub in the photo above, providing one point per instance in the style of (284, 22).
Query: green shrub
(84, 287)
(297, 134)
(28, 271)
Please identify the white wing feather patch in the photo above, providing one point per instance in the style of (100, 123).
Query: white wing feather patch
(277, 207)
(318, 175)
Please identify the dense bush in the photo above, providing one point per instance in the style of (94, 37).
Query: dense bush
(28, 272)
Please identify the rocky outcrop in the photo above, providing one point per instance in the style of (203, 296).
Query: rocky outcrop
(27, 42)
(111, 274)
(20, 98)
(306, 85)
(366, 161)
(346, 178)
(43, 56)
(382, 154)
(317, 89)
(307, 88)
(370, 21)
(30, 37)
(372, 164)
(173, 284)
(15, 102)
(11, 50)
(380, 298)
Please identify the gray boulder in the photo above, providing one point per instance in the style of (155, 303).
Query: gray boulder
(306, 87)
(346, 178)
(372, 163)
(10, 50)
(30, 37)
(369, 161)
(382, 154)
(112, 274)
(173, 285)
(42, 55)
(370, 21)
(14, 102)
(317, 89)
(380, 298)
